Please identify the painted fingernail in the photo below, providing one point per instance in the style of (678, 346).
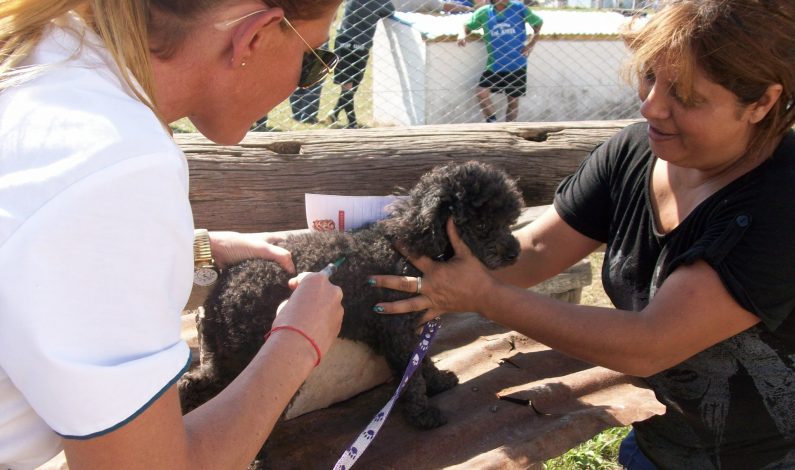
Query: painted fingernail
(378, 309)
(371, 282)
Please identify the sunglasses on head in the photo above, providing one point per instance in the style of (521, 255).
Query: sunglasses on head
(316, 64)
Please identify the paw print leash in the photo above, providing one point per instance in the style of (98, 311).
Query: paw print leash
(357, 448)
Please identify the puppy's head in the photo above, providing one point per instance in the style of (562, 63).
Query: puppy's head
(483, 201)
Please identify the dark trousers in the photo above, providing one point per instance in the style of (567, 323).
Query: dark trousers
(305, 103)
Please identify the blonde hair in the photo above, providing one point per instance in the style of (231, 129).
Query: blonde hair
(23, 22)
(743, 45)
(126, 27)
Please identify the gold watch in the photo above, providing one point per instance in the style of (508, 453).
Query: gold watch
(205, 272)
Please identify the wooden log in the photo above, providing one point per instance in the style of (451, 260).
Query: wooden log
(567, 286)
(259, 185)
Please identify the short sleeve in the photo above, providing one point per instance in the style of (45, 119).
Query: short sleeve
(608, 182)
(477, 20)
(583, 199)
(532, 19)
(92, 288)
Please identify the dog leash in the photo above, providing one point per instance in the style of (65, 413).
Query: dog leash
(360, 444)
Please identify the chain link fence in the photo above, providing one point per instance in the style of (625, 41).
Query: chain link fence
(401, 64)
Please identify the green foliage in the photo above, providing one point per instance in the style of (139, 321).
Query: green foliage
(600, 453)
(182, 125)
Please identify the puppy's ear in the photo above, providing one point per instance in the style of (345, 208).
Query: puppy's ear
(427, 232)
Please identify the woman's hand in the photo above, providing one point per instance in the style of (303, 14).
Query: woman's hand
(460, 284)
(232, 247)
(315, 307)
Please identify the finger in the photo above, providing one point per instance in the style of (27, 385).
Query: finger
(459, 247)
(413, 304)
(280, 255)
(401, 283)
(293, 283)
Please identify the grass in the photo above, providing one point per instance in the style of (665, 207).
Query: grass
(600, 453)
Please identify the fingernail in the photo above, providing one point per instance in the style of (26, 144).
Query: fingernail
(371, 282)
(378, 309)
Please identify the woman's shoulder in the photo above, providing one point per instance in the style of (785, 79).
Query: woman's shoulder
(64, 127)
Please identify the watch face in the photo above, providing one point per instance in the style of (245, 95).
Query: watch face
(205, 276)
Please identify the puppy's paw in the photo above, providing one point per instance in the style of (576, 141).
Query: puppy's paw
(440, 381)
(427, 418)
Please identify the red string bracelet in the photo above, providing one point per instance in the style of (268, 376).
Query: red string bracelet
(292, 328)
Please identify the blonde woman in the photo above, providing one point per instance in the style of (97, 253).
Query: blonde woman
(96, 231)
(695, 207)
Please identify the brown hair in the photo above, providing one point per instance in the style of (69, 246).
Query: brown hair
(743, 45)
(127, 28)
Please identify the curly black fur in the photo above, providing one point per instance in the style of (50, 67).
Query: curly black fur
(484, 203)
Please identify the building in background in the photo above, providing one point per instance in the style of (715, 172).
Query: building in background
(420, 75)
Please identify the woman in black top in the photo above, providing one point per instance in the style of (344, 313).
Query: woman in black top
(695, 207)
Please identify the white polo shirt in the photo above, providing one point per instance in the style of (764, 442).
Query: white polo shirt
(95, 252)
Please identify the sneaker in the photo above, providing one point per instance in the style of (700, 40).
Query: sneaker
(355, 125)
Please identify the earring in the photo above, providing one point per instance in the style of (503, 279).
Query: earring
(242, 64)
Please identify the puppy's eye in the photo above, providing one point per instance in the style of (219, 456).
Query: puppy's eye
(482, 227)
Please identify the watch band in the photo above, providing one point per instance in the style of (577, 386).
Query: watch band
(202, 255)
(205, 272)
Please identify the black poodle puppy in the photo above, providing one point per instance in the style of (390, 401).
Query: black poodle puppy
(483, 201)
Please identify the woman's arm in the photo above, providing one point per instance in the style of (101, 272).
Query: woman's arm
(548, 246)
(229, 430)
(690, 312)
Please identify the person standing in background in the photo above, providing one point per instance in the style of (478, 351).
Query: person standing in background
(352, 45)
(503, 24)
(305, 104)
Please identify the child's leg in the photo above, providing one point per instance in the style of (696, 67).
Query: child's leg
(515, 88)
(512, 111)
(486, 106)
